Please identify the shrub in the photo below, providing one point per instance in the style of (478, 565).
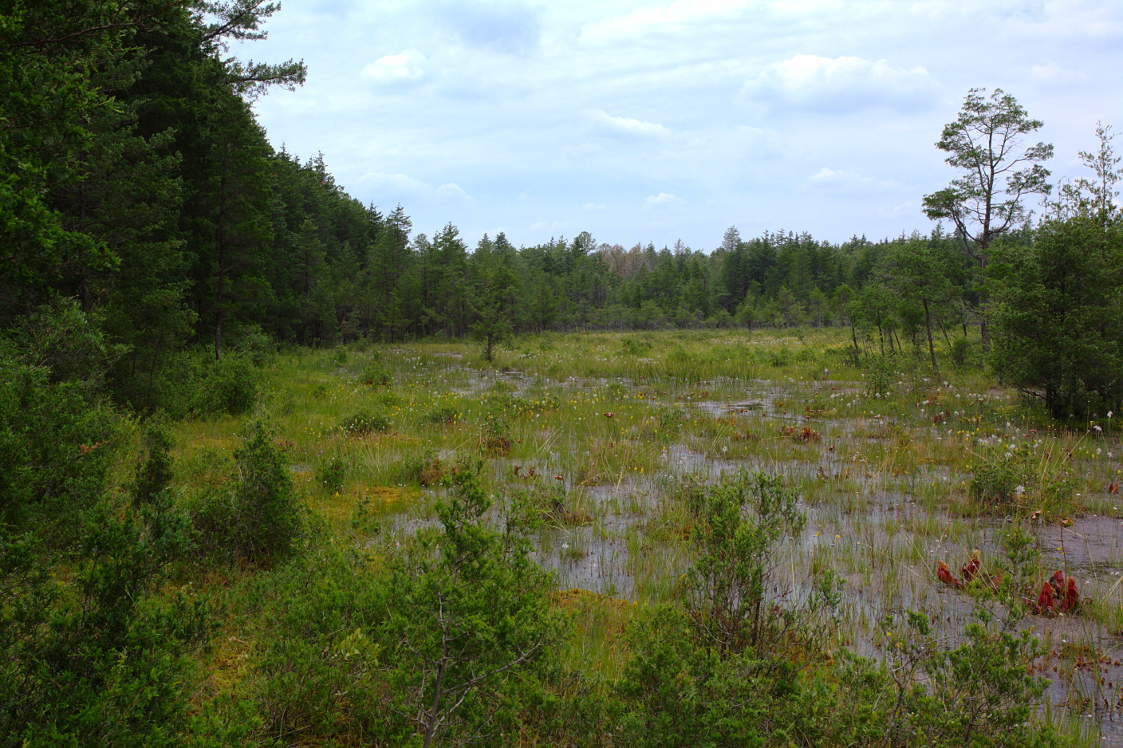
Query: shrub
(879, 373)
(443, 414)
(228, 386)
(56, 444)
(1023, 477)
(362, 424)
(154, 472)
(960, 351)
(738, 522)
(257, 518)
(979, 693)
(332, 473)
(1058, 316)
(375, 374)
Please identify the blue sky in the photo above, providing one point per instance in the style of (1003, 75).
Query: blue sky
(657, 121)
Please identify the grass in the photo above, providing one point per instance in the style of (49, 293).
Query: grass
(601, 433)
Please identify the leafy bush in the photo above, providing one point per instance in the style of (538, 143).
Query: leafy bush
(978, 693)
(879, 373)
(362, 424)
(62, 338)
(960, 352)
(259, 517)
(375, 374)
(332, 473)
(449, 641)
(154, 472)
(738, 522)
(56, 444)
(228, 385)
(443, 414)
(1022, 478)
(101, 660)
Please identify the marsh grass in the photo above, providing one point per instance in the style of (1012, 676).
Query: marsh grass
(603, 437)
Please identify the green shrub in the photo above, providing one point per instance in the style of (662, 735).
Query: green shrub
(443, 414)
(332, 473)
(259, 516)
(154, 472)
(1022, 478)
(879, 373)
(960, 352)
(228, 385)
(56, 444)
(981, 692)
(362, 424)
(375, 374)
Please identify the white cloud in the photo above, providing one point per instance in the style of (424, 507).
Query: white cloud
(452, 191)
(393, 182)
(407, 66)
(676, 17)
(628, 126)
(839, 179)
(839, 84)
(1055, 75)
(663, 198)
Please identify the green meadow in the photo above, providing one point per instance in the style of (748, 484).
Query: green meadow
(594, 448)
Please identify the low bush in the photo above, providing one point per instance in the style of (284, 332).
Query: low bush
(257, 517)
(363, 423)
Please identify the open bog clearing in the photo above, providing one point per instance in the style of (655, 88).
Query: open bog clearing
(592, 443)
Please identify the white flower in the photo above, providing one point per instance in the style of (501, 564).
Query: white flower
(1019, 490)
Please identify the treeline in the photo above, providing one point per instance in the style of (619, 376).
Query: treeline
(139, 188)
(144, 213)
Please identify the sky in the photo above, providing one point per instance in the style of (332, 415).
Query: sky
(673, 120)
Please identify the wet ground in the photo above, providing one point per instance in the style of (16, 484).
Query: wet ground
(878, 529)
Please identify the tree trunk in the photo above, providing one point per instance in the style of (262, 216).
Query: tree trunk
(928, 326)
(944, 330)
(218, 338)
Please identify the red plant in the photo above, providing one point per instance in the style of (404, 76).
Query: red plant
(1058, 594)
(807, 435)
(1113, 486)
(1045, 599)
(1071, 598)
(944, 575)
(971, 568)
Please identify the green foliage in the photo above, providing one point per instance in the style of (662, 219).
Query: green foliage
(880, 373)
(978, 693)
(679, 692)
(68, 343)
(448, 642)
(960, 352)
(738, 523)
(331, 473)
(258, 518)
(229, 386)
(1059, 317)
(154, 472)
(468, 624)
(446, 413)
(375, 374)
(365, 423)
(102, 661)
(56, 444)
(1021, 479)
